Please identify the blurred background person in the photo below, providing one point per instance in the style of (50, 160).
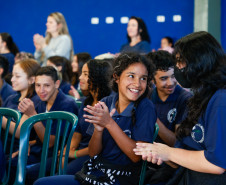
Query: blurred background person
(57, 41)
(137, 36)
(8, 48)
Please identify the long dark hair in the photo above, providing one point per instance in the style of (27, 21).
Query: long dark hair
(99, 79)
(141, 26)
(121, 63)
(82, 58)
(6, 37)
(206, 68)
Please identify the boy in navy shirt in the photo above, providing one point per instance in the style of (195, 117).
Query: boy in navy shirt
(5, 89)
(169, 98)
(52, 99)
(170, 102)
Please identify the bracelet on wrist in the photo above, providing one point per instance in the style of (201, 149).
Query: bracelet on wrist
(75, 154)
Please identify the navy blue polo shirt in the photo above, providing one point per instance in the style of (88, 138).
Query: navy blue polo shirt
(171, 111)
(61, 103)
(209, 133)
(143, 130)
(13, 101)
(65, 87)
(141, 47)
(84, 128)
(6, 91)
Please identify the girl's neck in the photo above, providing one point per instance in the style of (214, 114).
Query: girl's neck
(4, 51)
(55, 34)
(121, 105)
(135, 40)
(162, 96)
(51, 101)
(23, 94)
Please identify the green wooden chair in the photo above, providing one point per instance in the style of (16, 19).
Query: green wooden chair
(144, 165)
(71, 123)
(14, 116)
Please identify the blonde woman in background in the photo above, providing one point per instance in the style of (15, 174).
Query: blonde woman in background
(57, 41)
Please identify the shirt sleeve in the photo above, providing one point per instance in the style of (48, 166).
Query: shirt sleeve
(145, 122)
(215, 129)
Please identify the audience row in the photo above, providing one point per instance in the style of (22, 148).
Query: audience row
(122, 100)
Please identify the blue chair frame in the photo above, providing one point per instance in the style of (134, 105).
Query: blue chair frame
(15, 116)
(71, 123)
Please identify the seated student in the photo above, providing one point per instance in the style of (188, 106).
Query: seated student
(78, 61)
(63, 65)
(131, 119)
(23, 83)
(5, 89)
(52, 99)
(96, 78)
(169, 98)
(170, 102)
(201, 136)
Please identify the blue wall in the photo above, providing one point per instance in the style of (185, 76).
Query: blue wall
(22, 19)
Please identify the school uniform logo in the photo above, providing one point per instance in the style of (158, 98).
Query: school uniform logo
(197, 133)
(128, 133)
(171, 116)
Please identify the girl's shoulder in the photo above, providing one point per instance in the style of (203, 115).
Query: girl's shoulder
(146, 103)
(219, 98)
(108, 100)
(12, 99)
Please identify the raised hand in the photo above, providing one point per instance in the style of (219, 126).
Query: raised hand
(27, 107)
(100, 115)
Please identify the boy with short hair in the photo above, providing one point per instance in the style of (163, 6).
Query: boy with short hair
(169, 98)
(52, 99)
(170, 102)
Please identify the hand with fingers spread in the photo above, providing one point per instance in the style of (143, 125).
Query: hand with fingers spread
(27, 107)
(100, 115)
(74, 92)
(155, 153)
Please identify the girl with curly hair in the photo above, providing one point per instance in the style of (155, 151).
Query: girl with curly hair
(201, 66)
(96, 79)
(120, 121)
